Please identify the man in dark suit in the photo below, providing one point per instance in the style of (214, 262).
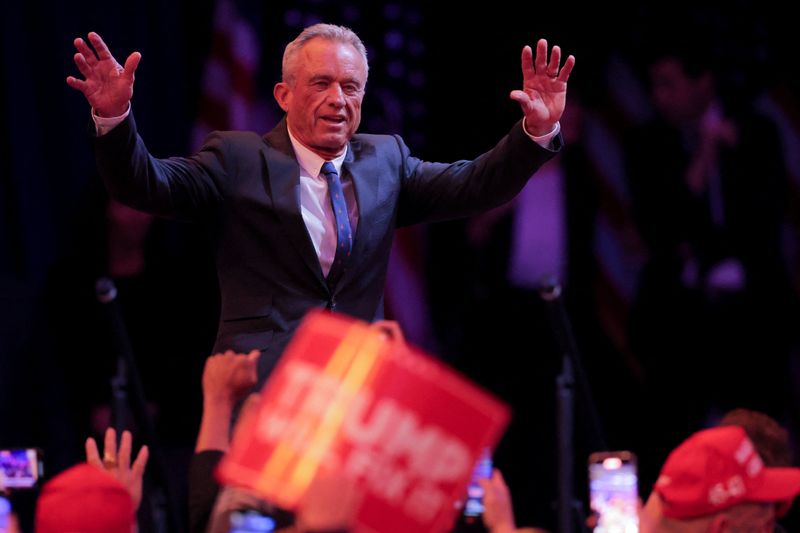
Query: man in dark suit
(284, 244)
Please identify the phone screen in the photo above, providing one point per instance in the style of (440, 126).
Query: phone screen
(20, 468)
(614, 492)
(473, 506)
(250, 521)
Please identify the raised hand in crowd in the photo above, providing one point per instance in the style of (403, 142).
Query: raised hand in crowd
(227, 378)
(117, 461)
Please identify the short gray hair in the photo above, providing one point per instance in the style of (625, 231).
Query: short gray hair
(330, 32)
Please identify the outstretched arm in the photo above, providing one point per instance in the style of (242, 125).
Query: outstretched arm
(544, 88)
(108, 86)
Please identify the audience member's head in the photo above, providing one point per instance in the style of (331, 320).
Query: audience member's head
(716, 481)
(87, 499)
(770, 439)
(768, 436)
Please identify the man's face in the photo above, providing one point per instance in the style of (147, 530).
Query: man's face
(678, 97)
(323, 99)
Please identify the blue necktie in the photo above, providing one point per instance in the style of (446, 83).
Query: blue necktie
(344, 235)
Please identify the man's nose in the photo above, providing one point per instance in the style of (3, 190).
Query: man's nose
(336, 95)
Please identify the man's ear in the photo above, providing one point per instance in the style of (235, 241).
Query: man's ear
(282, 94)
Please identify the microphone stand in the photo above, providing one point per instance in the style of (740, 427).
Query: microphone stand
(162, 506)
(569, 508)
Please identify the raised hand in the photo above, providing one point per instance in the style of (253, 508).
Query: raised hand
(118, 462)
(544, 88)
(498, 513)
(107, 86)
(228, 376)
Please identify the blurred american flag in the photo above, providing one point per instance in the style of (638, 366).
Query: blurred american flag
(229, 99)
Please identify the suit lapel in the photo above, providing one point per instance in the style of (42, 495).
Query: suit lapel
(284, 184)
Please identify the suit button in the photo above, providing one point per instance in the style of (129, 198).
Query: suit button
(332, 305)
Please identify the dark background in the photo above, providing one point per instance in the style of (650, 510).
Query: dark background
(56, 350)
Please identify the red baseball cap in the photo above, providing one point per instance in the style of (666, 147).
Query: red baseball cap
(84, 498)
(717, 468)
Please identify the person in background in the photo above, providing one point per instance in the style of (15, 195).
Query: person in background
(227, 381)
(773, 443)
(707, 183)
(100, 495)
(770, 438)
(715, 481)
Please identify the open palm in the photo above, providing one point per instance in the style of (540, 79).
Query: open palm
(107, 85)
(543, 96)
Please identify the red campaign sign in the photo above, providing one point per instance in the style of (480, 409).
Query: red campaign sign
(344, 400)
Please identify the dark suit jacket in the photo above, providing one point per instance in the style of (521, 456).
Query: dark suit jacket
(247, 188)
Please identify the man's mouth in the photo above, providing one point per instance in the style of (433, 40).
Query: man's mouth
(333, 119)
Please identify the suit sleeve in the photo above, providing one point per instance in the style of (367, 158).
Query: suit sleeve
(174, 187)
(438, 191)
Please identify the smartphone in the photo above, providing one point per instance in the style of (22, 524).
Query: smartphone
(250, 521)
(473, 505)
(614, 491)
(20, 468)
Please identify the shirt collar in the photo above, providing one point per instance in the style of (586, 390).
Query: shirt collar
(311, 162)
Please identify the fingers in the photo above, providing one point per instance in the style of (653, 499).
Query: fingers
(567, 68)
(94, 61)
(99, 46)
(124, 452)
(541, 56)
(83, 65)
(110, 450)
(92, 454)
(527, 62)
(233, 360)
(228, 376)
(555, 61)
(520, 96)
(85, 51)
(110, 444)
(130, 65)
(77, 84)
(544, 66)
(141, 461)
